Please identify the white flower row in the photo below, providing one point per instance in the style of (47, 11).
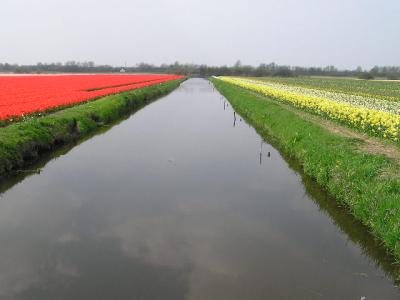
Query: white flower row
(360, 101)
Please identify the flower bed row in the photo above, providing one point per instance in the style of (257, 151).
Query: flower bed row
(23, 95)
(378, 122)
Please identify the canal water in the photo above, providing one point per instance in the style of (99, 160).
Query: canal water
(183, 200)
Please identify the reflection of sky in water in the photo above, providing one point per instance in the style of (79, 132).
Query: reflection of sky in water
(173, 204)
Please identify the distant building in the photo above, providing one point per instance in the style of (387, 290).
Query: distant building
(122, 70)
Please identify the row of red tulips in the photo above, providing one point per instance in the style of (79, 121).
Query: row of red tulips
(23, 95)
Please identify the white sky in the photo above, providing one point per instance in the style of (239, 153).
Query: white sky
(345, 33)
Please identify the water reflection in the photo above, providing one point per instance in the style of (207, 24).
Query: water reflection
(173, 204)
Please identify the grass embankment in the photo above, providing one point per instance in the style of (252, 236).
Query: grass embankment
(367, 183)
(22, 143)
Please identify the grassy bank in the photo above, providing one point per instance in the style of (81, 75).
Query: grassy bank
(23, 143)
(367, 183)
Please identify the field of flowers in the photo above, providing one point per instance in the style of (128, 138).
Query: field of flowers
(381, 89)
(374, 114)
(22, 95)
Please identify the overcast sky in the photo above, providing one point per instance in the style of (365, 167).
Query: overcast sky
(345, 33)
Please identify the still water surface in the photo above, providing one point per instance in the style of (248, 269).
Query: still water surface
(182, 201)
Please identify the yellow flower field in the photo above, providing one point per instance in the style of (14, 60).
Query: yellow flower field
(377, 122)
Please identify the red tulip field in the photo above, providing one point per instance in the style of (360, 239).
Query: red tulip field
(22, 95)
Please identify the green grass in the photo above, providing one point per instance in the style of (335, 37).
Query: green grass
(369, 185)
(389, 90)
(23, 143)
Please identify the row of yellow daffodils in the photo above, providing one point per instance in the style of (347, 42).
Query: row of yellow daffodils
(377, 122)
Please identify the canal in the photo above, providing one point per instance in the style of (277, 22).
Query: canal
(183, 200)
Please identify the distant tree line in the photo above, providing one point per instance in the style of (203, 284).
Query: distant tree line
(238, 69)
